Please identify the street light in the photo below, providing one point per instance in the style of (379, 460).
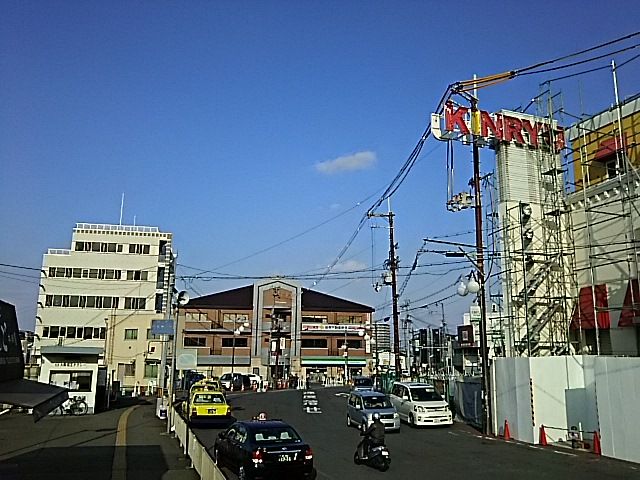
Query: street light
(345, 347)
(236, 331)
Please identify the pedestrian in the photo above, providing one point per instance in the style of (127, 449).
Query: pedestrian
(308, 381)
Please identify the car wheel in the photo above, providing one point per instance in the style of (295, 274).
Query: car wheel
(411, 420)
(348, 421)
(356, 457)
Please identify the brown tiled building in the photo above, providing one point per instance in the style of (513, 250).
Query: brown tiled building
(277, 329)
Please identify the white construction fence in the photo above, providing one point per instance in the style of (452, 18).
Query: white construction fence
(589, 393)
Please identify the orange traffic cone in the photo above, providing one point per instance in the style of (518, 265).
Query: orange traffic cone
(543, 436)
(507, 433)
(596, 444)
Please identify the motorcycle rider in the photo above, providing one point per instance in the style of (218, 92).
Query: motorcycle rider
(373, 436)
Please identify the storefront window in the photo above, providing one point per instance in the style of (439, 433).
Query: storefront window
(74, 381)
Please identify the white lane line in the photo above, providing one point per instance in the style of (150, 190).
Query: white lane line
(119, 465)
(565, 453)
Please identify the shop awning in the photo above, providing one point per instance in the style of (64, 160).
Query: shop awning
(584, 316)
(631, 305)
(15, 390)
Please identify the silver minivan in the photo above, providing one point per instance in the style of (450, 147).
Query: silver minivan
(362, 404)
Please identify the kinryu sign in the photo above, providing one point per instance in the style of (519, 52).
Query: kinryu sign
(502, 127)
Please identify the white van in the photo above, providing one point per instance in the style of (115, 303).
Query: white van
(420, 404)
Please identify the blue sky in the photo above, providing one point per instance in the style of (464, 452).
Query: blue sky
(260, 132)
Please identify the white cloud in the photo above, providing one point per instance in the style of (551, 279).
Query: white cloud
(349, 266)
(357, 161)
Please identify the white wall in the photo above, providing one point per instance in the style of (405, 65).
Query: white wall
(591, 392)
(618, 394)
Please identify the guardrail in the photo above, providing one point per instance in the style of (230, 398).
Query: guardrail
(196, 451)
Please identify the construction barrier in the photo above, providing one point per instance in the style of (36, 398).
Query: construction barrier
(596, 444)
(543, 436)
(506, 433)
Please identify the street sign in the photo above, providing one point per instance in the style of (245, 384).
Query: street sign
(162, 327)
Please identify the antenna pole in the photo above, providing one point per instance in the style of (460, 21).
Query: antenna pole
(121, 208)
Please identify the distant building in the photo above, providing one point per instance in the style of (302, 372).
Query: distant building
(95, 307)
(277, 329)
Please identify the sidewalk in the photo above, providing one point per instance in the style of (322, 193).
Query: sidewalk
(67, 447)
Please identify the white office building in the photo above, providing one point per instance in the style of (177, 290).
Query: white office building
(95, 307)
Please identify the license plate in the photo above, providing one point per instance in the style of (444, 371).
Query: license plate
(285, 458)
(212, 411)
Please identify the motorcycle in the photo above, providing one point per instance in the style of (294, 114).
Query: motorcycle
(377, 457)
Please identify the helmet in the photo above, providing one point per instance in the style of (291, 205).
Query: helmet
(375, 416)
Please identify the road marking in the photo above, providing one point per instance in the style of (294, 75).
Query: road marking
(565, 453)
(119, 465)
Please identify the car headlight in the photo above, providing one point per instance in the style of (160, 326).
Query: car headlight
(395, 415)
(418, 408)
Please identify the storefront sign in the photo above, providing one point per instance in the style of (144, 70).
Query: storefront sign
(69, 364)
(523, 130)
(328, 327)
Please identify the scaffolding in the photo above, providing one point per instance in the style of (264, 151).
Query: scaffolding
(605, 209)
(536, 242)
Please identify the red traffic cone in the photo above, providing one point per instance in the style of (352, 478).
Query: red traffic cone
(543, 436)
(506, 432)
(596, 444)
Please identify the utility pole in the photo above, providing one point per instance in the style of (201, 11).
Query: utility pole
(486, 396)
(392, 263)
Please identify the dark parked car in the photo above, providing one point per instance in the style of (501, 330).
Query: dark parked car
(264, 449)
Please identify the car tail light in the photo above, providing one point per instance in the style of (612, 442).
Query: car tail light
(257, 456)
(308, 454)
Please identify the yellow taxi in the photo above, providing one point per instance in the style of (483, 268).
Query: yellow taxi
(206, 405)
(207, 384)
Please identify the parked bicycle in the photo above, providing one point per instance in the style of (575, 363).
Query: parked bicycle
(73, 406)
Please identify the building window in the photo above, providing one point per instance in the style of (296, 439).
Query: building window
(134, 303)
(131, 334)
(195, 341)
(160, 278)
(313, 343)
(71, 332)
(314, 318)
(137, 275)
(75, 381)
(129, 369)
(349, 319)
(151, 336)
(235, 317)
(45, 332)
(54, 332)
(195, 316)
(139, 248)
(88, 333)
(159, 302)
(240, 342)
(354, 343)
(150, 370)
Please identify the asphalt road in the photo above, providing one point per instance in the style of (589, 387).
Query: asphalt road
(454, 452)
